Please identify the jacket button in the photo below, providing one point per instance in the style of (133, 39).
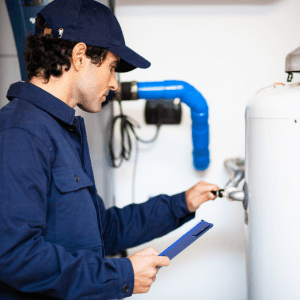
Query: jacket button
(125, 288)
(72, 127)
(76, 178)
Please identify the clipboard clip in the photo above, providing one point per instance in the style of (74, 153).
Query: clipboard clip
(202, 231)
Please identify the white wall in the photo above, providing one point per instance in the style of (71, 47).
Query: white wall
(228, 51)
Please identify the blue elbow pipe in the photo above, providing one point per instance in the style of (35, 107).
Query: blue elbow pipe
(172, 89)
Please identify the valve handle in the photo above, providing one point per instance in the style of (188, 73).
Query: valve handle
(219, 193)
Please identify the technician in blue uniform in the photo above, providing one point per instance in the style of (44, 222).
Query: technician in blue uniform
(55, 230)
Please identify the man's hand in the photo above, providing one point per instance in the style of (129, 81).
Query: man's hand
(145, 267)
(200, 193)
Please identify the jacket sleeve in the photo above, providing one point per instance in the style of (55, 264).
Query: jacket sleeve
(136, 224)
(29, 263)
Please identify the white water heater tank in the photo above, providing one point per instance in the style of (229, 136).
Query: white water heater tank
(272, 187)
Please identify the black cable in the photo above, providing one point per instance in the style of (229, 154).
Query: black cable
(127, 124)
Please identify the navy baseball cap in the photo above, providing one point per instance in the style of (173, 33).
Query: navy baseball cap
(92, 23)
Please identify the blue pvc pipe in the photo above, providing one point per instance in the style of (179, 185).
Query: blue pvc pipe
(171, 89)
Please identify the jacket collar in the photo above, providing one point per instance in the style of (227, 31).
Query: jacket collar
(42, 99)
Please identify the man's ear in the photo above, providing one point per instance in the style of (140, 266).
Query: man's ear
(78, 55)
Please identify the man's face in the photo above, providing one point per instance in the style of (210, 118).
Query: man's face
(94, 83)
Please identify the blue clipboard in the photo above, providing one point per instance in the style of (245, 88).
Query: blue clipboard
(187, 239)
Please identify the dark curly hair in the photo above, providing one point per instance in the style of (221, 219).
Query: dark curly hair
(46, 55)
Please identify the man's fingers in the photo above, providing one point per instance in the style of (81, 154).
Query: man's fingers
(148, 251)
(161, 261)
(212, 187)
(145, 265)
(208, 187)
(211, 196)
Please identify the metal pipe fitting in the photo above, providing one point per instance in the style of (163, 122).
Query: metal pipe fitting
(238, 177)
(127, 91)
(237, 196)
(237, 167)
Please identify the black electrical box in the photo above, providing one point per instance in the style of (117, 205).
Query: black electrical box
(163, 112)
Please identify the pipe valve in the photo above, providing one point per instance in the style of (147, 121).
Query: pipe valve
(237, 167)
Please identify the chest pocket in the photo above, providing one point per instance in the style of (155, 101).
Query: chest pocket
(76, 223)
(70, 179)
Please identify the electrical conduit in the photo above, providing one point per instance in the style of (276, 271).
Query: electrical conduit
(171, 89)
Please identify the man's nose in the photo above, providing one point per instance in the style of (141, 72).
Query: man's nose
(113, 84)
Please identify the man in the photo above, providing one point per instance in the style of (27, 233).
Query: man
(55, 230)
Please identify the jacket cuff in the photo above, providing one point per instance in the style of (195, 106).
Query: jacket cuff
(180, 208)
(126, 276)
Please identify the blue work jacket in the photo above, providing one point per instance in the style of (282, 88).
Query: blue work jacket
(55, 230)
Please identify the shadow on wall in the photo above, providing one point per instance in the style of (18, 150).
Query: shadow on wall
(196, 2)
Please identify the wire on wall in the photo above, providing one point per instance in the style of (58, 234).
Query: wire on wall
(127, 126)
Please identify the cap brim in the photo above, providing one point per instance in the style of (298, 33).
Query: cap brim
(129, 59)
